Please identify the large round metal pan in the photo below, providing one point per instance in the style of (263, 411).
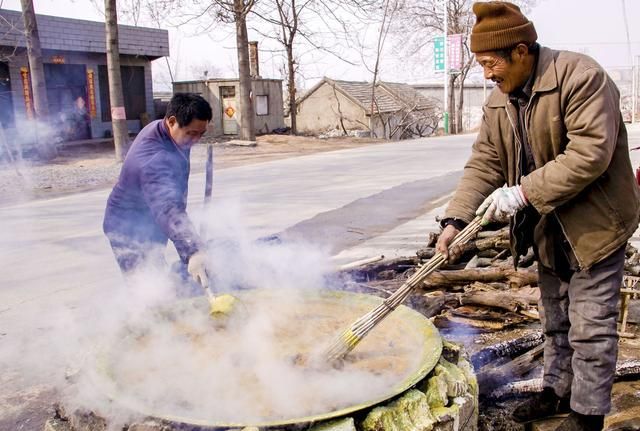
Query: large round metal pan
(405, 347)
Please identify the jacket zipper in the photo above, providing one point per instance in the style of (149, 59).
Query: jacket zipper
(519, 144)
(555, 214)
(512, 226)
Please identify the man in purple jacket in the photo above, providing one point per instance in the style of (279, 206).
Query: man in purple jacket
(148, 203)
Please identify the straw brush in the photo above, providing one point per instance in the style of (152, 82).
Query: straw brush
(350, 338)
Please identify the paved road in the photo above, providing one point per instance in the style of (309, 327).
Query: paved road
(54, 256)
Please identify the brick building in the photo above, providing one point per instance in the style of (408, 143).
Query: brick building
(75, 67)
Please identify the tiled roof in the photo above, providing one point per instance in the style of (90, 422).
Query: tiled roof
(409, 95)
(361, 92)
(389, 96)
(68, 34)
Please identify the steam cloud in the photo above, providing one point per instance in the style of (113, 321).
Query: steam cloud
(163, 354)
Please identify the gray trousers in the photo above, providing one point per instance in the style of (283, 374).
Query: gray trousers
(579, 316)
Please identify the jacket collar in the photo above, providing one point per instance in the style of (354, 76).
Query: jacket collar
(545, 79)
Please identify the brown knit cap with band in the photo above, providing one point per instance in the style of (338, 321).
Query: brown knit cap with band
(500, 25)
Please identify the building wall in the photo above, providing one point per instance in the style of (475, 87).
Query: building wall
(210, 90)
(91, 61)
(275, 118)
(321, 111)
(473, 101)
(80, 42)
(200, 87)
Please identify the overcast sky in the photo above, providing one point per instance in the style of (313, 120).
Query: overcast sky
(595, 27)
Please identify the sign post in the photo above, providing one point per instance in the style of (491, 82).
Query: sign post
(446, 69)
(438, 54)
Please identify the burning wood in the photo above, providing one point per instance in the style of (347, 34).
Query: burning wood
(490, 377)
(625, 369)
(509, 348)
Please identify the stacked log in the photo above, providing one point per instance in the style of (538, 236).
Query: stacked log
(484, 290)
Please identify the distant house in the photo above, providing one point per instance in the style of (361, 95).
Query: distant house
(75, 70)
(474, 98)
(224, 97)
(399, 111)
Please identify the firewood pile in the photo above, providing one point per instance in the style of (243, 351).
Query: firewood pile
(483, 290)
(484, 293)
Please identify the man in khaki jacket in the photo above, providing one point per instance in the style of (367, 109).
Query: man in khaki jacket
(552, 158)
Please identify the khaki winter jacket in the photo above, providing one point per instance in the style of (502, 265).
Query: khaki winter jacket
(583, 174)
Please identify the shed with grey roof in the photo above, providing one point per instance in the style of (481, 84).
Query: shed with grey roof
(398, 111)
(75, 66)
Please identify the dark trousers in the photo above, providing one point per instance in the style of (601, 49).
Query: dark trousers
(579, 317)
(132, 255)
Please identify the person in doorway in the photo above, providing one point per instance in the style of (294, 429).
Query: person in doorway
(551, 157)
(79, 120)
(147, 206)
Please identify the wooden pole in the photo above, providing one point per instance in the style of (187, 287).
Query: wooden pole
(116, 97)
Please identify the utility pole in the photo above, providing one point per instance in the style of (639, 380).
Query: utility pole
(634, 89)
(116, 96)
(46, 149)
(247, 120)
(446, 67)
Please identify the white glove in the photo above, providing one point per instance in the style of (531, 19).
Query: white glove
(502, 204)
(197, 268)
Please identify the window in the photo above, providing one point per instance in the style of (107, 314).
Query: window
(135, 98)
(227, 92)
(262, 105)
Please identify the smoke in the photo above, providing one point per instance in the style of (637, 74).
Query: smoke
(139, 348)
(28, 138)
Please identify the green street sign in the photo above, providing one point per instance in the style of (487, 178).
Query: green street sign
(438, 54)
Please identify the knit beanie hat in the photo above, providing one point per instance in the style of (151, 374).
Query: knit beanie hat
(500, 25)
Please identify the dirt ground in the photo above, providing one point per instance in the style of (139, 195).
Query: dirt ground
(93, 166)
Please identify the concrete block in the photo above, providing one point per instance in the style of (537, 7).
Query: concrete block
(344, 424)
(467, 412)
(436, 391)
(408, 413)
(455, 378)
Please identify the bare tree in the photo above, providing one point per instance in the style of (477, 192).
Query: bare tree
(390, 7)
(204, 70)
(239, 11)
(303, 26)
(116, 97)
(207, 13)
(287, 21)
(421, 20)
(45, 145)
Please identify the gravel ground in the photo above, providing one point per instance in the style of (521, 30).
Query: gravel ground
(92, 166)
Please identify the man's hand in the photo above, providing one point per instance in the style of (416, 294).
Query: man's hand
(502, 204)
(197, 268)
(442, 246)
